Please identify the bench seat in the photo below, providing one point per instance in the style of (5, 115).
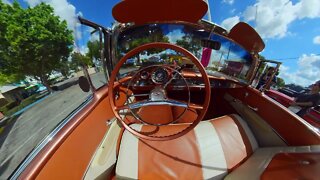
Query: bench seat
(219, 148)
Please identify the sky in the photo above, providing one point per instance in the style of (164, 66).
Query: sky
(289, 28)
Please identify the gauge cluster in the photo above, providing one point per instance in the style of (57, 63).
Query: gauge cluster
(161, 75)
(153, 76)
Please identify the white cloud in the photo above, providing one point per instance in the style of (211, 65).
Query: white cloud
(316, 40)
(230, 22)
(33, 3)
(274, 16)
(94, 37)
(80, 49)
(6, 2)
(63, 9)
(232, 11)
(228, 1)
(284, 68)
(307, 73)
(175, 35)
(84, 50)
(308, 8)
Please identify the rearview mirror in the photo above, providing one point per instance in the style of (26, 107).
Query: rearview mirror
(207, 43)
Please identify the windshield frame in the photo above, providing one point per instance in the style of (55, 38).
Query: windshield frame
(210, 27)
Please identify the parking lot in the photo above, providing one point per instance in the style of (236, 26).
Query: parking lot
(26, 130)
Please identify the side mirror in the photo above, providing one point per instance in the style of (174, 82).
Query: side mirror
(84, 84)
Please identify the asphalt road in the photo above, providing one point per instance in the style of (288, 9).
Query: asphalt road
(23, 133)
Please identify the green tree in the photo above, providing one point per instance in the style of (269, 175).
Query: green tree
(164, 56)
(33, 41)
(280, 82)
(79, 60)
(7, 79)
(191, 43)
(94, 50)
(142, 36)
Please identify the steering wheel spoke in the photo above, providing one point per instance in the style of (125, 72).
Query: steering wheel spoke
(187, 105)
(119, 108)
(140, 104)
(195, 106)
(139, 95)
(170, 80)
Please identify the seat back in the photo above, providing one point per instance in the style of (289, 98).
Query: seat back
(210, 150)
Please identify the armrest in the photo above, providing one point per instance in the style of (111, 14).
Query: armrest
(293, 166)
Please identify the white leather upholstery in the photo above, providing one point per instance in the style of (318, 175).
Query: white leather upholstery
(129, 153)
(248, 131)
(209, 145)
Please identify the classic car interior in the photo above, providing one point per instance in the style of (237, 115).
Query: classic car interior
(164, 115)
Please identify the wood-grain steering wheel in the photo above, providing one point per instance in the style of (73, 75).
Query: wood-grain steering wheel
(202, 108)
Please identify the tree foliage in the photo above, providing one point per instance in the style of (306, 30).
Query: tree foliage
(141, 36)
(7, 79)
(94, 49)
(280, 82)
(191, 43)
(33, 41)
(79, 60)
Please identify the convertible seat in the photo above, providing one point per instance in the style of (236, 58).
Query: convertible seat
(210, 150)
(219, 148)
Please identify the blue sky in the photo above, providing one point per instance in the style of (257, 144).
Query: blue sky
(290, 28)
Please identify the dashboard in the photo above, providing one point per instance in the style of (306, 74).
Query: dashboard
(172, 78)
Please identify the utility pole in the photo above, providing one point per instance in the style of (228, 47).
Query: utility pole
(256, 16)
(209, 12)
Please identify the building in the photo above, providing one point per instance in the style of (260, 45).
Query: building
(11, 93)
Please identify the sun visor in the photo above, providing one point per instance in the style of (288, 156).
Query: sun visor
(246, 36)
(149, 11)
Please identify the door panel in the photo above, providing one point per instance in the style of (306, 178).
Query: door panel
(70, 151)
(294, 130)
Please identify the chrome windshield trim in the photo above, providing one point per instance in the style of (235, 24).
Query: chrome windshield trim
(46, 140)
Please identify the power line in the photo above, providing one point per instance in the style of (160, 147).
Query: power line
(290, 58)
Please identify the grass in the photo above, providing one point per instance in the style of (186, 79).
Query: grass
(1, 129)
(23, 104)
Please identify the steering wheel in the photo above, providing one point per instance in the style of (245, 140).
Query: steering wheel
(160, 92)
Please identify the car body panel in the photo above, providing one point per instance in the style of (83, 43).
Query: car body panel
(71, 149)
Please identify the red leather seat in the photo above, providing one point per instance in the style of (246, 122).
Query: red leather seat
(210, 150)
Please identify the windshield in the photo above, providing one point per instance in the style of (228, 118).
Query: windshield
(230, 60)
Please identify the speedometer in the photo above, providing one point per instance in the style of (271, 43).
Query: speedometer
(144, 75)
(160, 76)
